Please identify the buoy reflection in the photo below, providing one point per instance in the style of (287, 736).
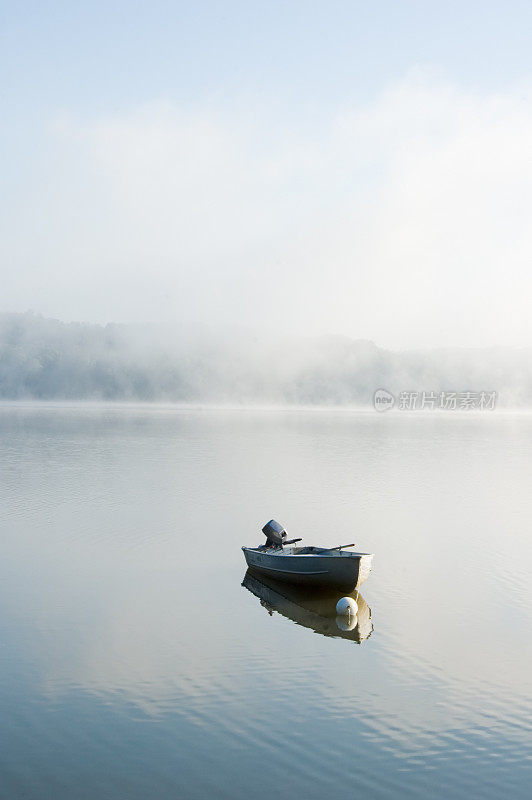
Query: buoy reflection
(312, 608)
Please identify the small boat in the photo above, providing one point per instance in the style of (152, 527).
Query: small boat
(312, 566)
(311, 608)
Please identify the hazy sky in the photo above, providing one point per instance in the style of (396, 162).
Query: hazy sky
(362, 168)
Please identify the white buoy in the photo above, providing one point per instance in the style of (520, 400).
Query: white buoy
(347, 606)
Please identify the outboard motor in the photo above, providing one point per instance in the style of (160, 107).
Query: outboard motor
(275, 534)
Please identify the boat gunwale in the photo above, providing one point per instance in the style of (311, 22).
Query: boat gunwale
(277, 552)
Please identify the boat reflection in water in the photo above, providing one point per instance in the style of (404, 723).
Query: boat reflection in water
(311, 608)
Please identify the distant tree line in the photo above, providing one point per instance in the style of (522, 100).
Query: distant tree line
(47, 359)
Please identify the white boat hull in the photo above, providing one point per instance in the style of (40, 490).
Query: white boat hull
(339, 569)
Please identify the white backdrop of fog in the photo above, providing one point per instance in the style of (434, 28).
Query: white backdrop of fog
(404, 221)
(47, 359)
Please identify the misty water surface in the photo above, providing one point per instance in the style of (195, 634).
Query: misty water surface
(135, 665)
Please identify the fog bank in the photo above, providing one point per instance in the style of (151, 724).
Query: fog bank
(47, 359)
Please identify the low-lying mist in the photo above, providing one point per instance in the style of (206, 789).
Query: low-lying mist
(47, 359)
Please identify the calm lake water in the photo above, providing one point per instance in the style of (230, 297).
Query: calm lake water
(134, 664)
